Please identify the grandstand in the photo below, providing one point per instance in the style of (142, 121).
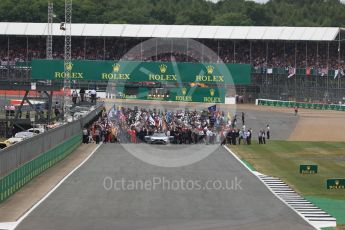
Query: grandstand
(313, 57)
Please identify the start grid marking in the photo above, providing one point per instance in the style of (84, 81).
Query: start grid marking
(317, 217)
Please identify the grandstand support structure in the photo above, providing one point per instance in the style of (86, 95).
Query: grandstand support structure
(49, 49)
(68, 55)
(43, 93)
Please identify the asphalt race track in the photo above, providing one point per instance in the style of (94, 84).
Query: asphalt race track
(82, 201)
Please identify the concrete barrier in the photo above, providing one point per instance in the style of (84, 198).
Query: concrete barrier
(16, 155)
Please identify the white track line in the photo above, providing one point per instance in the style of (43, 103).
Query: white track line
(13, 225)
(292, 199)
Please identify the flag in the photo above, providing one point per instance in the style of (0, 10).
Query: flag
(229, 116)
(292, 72)
(336, 72)
(111, 113)
(269, 71)
(160, 122)
(308, 71)
(122, 116)
(167, 117)
(138, 115)
(164, 126)
(212, 108)
(151, 120)
(156, 121)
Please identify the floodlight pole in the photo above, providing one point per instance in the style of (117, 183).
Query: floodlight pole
(49, 48)
(68, 55)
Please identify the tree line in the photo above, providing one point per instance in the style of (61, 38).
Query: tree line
(192, 12)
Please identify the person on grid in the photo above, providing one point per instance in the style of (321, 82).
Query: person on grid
(82, 94)
(93, 95)
(57, 111)
(233, 137)
(234, 122)
(240, 136)
(74, 97)
(223, 136)
(263, 137)
(243, 118)
(268, 132)
(260, 137)
(98, 135)
(296, 110)
(244, 136)
(85, 136)
(90, 139)
(249, 136)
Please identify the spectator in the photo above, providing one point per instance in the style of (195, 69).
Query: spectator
(97, 135)
(74, 97)
(85, 136)
(93, 95)
(57, 110)
(82, 94)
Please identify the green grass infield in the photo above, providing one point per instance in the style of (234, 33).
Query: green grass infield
(282, 159)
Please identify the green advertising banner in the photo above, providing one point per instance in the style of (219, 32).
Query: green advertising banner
(185, 94)
(336, 184)
(134, 71)
(305, 105)
(308, 169)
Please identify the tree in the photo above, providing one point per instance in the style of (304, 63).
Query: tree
(232, 19)
(258, 14)
(188, 12)
(163, 14)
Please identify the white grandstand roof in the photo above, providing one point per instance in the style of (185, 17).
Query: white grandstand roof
(177, 31)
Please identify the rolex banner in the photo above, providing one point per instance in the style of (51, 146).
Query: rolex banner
(336, 184)
(133, 71)
(308, 169)
(183, 94)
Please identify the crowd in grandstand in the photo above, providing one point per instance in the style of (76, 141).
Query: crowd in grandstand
(258, 53)
(126, 125)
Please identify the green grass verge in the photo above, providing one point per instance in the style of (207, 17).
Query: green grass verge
(341, 227)
(282, 159)
(334, 207)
